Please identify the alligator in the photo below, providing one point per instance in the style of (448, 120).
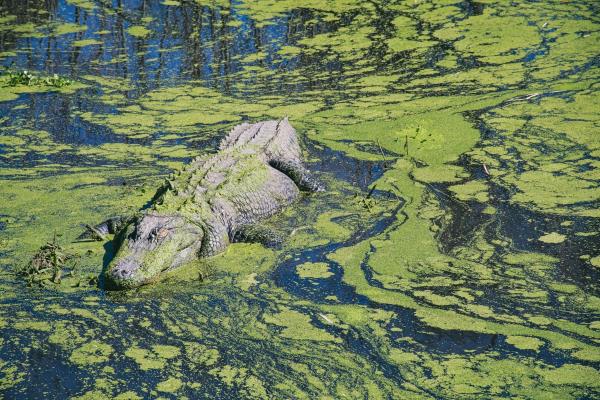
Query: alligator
(215, 200)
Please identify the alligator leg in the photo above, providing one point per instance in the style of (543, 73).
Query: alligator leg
(302, 177)
(215, 240)
(99, 232)
(258, 234)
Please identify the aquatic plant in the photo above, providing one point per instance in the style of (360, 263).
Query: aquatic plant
(48, 265)
(14, 78)
(471, 271)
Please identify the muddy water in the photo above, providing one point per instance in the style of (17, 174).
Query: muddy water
(469, 272)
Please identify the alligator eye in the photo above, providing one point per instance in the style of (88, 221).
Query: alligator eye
(162, 233)
(158, 233)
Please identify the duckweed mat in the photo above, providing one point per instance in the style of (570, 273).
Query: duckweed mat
(454, 255)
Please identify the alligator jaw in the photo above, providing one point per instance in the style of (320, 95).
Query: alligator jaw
(124, 274)
(149, 246)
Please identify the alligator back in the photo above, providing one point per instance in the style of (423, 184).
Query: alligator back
(276, 140)
(255, 174)
(235, 187)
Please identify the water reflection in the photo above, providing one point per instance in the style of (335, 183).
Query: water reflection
(439, 104)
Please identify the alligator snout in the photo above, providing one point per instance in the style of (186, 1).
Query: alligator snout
(123, 273)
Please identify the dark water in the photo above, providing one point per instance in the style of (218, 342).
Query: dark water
(454, 254)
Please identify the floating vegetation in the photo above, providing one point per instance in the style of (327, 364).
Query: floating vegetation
(48, 265)
(14, 78)
(454, 254)
(52, 266)
(366, 200)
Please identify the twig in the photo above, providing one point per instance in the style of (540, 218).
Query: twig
(382, 154)
(371, 191)
(326, 318)
(298, 229)
(532, 96)
(397, 188)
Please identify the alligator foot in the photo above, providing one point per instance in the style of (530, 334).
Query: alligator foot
(258, 234)
(302, 177)
(99, 232)
(92, 233)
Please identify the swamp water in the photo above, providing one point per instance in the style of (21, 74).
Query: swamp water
(454, 255)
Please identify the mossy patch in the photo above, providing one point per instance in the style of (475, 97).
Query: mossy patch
(552, 238)
(138, 31)
(91, 353)
(297, 325)
(313, 270)
(170, 385)
(525, 343)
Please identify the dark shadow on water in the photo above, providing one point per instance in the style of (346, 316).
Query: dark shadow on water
(109, 253)
(356, 173)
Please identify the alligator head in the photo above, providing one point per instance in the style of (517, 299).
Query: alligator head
(149, 245)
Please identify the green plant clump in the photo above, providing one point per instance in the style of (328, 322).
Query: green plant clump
(47, 265)
(27, 78)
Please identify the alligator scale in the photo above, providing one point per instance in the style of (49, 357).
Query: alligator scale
(213, 201)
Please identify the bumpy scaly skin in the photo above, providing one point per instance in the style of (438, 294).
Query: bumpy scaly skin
(256, 173)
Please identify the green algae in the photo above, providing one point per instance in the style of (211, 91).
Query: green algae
(58, 190)
(553, 237)
(573, 374)
(170, 385)
(201, 355)
(128, 395)
(86, 42)
(524, 342)
(297, 325)
(156, 358)
(329, 229)
(46, 85)
(91, 353)
(473, 190)
(67, 28)
(32, 325)
(436, 318)
(439, 173)
(549, 182)
(138, 31)
(313, 270)
(410, 117)
(84, 4)
(492, 39)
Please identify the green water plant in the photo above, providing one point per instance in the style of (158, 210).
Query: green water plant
(15, 78)
(48, 265)
(53, 266)
(366, 201)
